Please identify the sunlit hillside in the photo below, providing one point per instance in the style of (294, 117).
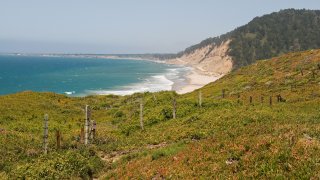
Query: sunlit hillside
(261, 121)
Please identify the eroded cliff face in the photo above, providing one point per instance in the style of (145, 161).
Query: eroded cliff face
(210, 60)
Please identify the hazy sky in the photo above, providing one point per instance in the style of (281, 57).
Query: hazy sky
(125, 26)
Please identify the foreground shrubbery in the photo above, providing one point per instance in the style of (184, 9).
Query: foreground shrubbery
(59, 165)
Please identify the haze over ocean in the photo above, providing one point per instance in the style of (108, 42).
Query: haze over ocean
(124, 26)
(79, 76)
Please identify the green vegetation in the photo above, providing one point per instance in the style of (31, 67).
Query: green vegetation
(269, 36)
(222, 139)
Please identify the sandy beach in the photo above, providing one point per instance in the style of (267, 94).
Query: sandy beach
(195, 80)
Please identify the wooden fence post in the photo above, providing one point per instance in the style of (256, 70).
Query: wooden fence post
(82, 135)
(45, 134)
(87, 124)
(301, 71)
(174, 103)
(223, 93)
(250, 99)
(238, 98)
(270, 101)
(58, 137)
(141, 114)
(200, 98)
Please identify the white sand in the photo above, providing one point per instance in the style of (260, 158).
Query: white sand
(196, 80)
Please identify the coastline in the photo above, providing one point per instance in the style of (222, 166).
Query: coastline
(195, 79)
(184, 78)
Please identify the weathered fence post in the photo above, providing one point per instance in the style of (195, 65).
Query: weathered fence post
(238, 98)
(223, 93)
(45, 134)
(82, 135)
(87, 124)
(200, 98)
(141, 114)
(58, 137)
(270, 101)
(250, 100)
(174, 104)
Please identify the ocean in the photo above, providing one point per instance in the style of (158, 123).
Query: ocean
(79, 76)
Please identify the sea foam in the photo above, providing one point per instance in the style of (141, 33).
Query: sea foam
(155, 83)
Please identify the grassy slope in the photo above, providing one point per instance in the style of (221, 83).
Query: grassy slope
(257, 140)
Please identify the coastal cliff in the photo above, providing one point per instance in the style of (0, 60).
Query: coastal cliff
(210, 60)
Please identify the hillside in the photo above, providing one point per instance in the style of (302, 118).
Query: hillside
(262, 38)
(225, 137)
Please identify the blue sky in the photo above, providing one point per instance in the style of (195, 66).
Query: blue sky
(125, 26)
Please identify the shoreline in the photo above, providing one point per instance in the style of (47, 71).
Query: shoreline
(196, 79)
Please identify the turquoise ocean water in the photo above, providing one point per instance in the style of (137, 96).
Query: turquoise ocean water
(78, 76)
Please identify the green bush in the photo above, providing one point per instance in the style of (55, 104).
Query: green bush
(166, 113)
(59, 166)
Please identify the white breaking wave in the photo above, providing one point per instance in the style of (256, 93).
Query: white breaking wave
(69, 92)
(156, 83)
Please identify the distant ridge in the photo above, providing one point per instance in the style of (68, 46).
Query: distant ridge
(264, 37)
